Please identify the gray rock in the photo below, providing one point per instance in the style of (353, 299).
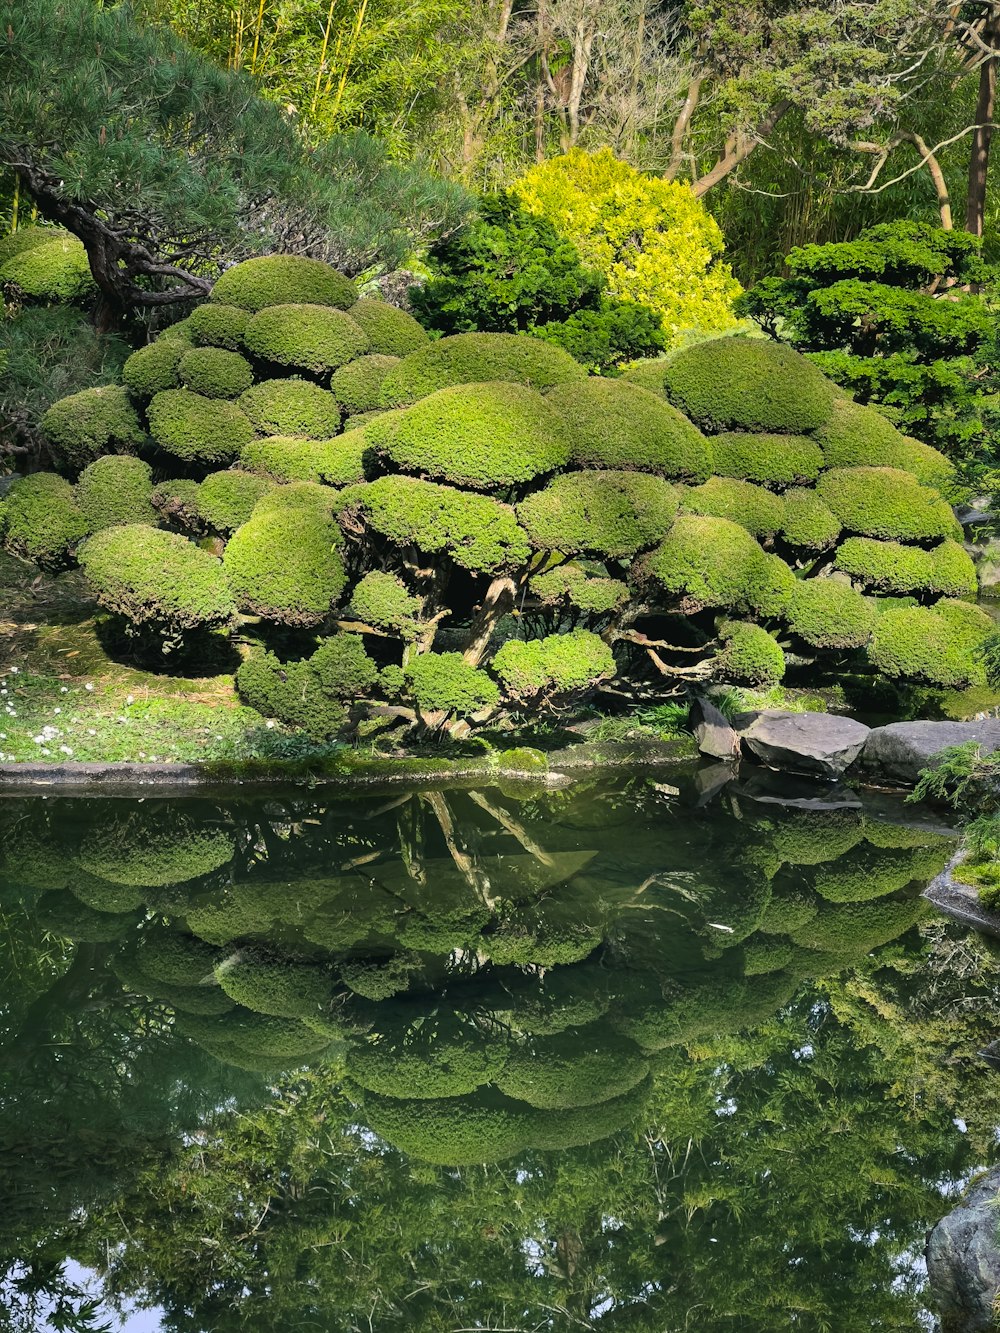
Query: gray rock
(710, 780)
(713, 733)
(901, 749)
(819, 743)
(963, 1260)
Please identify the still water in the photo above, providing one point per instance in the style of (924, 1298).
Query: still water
(609, 1057)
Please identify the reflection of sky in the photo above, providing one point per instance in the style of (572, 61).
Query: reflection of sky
(130, 1320)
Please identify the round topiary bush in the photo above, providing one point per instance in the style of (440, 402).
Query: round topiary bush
(82, 427)
(886, 566)
(283, 563)
(269, 984)
(749, 654)
(572, 583)
(828, 614)
(757, 510)
(337, 462)
(808, 522)
(858, 436)
(290, 692)
(557, 664)
(176, 501)
(918, 643)
(475, 358)
(357, 386)
(40, 519)
(709, 562)
(227, 499)
(383, 600)
(214, 372)
(153, 368)
(478, 435)
(314, 338)
(452, 1131)
(616, 424)
(478, 532)
(283, 280)
(608, 513)
(196, 428)
(218, 326)
(749, 384)
(157, 578)
(884, 502)
(446, 683)
(291, 407)
(952, 571)
(390, 331)
(772, 460)
(450, 1060)
(46, 264)
(115, 489)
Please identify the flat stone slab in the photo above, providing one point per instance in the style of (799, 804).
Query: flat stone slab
(715, 737)
(823, 744)
(963, 1260)
(902, 749)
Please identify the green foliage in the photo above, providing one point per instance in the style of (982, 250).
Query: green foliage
(576, 1068)
(751, 506)
(391, 332)
(478, 532)
(313, 338)
(748, 384)
(473, 358)
(606, 513)
(557, 664)
(829, 614)
(453, 1131)
(603, 339)
(290, 692)
(283, 563)
(226, 499)
(51, 265)
(479, 435)
(445, 682)
(153, 368)
(85, 425)
(291, 407)
(141, 849)
(217, 325)
(157, 578)
(771, 460)
(276, 986)
(858, 436)
(40, 519)
(357, 386)
(115, 489)
(449, 1061)
(384, 601)
(918, 643)
(280, 280)
(580, 589)
(616, 424)
(750, 654)
(891, 567)
(807, 521)
(854, 929)
(709, 562)
(214, 372)
(884, 502)
(336, 462)
(198, 429)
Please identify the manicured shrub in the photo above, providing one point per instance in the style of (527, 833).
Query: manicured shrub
(751, 655)
(47, 264)
(384, 601)
(884, 502)
(886, 566)
(452, 1131)
(445, 682)
(952, 571)
(970, 624)
(709, 562)
(343, 668)
(580, 589)
(273, 985)
(283, 280)
(475, 358)
(650, 374)
(578, 1068)
(772, 460)
(292, 407)
(214, 325)
(602, 339)
(748, 384)
(478, 532)
(336, 462)
(357, 386)
(153, 368)
(918, 643)
(226, 499)
(859, 436)
(557, 664)
(40, 519)
(214, 372)
(616, 424)
(391, 332)
(143, 849)
(196, 428)
(290, 692)
(829, 614)
(157, 578)
(608, 513)
(82, 427)
(757, 510)
(283, 563)
(808, 522)
(314, 338)
(115, 489)
(653, 241)
(181, 331)
(479, 435)
(451, 1062)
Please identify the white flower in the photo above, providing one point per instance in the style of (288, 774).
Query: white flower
(63, 689)
(56, 710)
(88, 686)
(130, 699)
(14, 670)
(91, 731)
(269, 725)
(64, 749)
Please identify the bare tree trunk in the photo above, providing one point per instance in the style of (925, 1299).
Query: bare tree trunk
(681, 126)
(738, 149)
(979, 162)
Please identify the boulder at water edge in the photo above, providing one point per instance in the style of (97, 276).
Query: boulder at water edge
(963, 1261)
(819, 743)
(902, 750)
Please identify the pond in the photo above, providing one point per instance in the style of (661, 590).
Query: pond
(636, 1053)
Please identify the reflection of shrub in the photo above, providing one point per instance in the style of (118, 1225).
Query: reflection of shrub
(146, 850)
(67, 916)
(448, 1063)
(576, 1068)
(865, 874)
(808, 837)
(180, 960)
(588, 1124)
(454, 1131)
(378, 980)
(102, 896)
(278, 986)
(854, 928)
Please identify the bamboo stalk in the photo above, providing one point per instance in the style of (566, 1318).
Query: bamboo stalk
(322, 57)
(256, 37)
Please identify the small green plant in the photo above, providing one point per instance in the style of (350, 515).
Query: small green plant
(962, 777)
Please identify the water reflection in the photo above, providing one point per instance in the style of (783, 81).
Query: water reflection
(474, 1059)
